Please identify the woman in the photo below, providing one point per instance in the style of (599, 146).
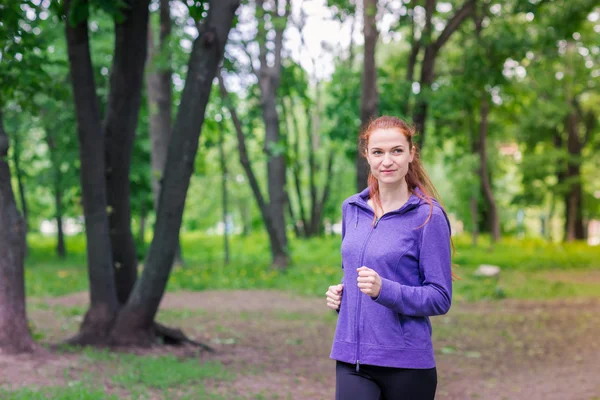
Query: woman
(397, 273)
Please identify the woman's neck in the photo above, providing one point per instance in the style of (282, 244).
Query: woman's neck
(393, 196)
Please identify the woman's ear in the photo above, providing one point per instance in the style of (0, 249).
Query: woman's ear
(413, 151)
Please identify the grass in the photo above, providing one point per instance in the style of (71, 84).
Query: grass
(138, 377)
(315, 265)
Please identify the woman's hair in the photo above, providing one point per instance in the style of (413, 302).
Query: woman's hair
(416, 177)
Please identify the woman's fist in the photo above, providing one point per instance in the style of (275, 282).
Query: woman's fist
(369, 281)
(334, 296)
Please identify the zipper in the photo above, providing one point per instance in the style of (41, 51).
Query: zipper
(359, 300)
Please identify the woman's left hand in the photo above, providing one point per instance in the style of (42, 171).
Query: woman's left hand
(369, 281)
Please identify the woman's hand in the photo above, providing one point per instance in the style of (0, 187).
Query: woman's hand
(369, 281)
(334, 296)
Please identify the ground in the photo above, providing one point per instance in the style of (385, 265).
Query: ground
(277, 344)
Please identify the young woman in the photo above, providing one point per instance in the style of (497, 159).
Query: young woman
(397, 273)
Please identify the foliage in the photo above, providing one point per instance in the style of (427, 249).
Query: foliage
(316, 265)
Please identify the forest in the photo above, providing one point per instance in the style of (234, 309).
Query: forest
(172, 174)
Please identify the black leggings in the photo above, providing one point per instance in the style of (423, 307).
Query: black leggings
(384, 383)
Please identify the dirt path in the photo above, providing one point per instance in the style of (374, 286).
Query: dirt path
(278, 344)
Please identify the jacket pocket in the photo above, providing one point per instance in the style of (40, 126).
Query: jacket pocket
(417, 333)
(381, 326)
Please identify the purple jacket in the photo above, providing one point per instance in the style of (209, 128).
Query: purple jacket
(414, 263)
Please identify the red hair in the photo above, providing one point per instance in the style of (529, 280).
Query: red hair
(416, 177)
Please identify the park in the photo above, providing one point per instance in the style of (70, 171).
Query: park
(173, 174)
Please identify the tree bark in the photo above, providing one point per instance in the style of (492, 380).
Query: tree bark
(134, 324)
(21, 186)
(574, 226)
(14, 331)
(160, 103)
(486, 185)
(103, 295)
(120, 124)
(370, 97)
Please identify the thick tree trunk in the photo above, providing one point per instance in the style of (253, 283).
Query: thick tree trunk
(14, 332)
(160, 103)
(134, 324)
(103, 295)
(120, 123)
(370, 97)
(574, 226)
(486, 185)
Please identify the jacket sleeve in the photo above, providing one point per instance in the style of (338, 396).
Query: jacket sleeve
(434, 296)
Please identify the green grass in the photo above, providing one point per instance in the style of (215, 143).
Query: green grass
(316, 265)
(137, 376)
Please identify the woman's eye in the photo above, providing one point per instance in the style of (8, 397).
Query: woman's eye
(397, 151)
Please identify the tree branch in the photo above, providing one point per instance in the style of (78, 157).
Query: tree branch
(465, 11)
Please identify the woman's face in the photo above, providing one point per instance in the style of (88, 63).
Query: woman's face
(388, 155)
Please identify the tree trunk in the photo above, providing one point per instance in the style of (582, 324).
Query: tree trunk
(134, 324)
(14, 331)
(574, 226)
(19, 175)
(61, 250)
(120, 123)
(224, 190)
(269, 79)
(486, 185)
(103, 295)
(245, 161)
(275, 173)
(160, 103)
(370, 97)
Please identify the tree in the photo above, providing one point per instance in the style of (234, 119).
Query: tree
(272, 17)
(559, 79)
(432, 49)
(20, 64)
(14, 331)
(126, 316)
(269, 76)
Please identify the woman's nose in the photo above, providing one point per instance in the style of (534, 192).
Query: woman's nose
(387, 159)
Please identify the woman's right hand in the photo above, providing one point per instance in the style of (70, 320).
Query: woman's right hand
(334, 296)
